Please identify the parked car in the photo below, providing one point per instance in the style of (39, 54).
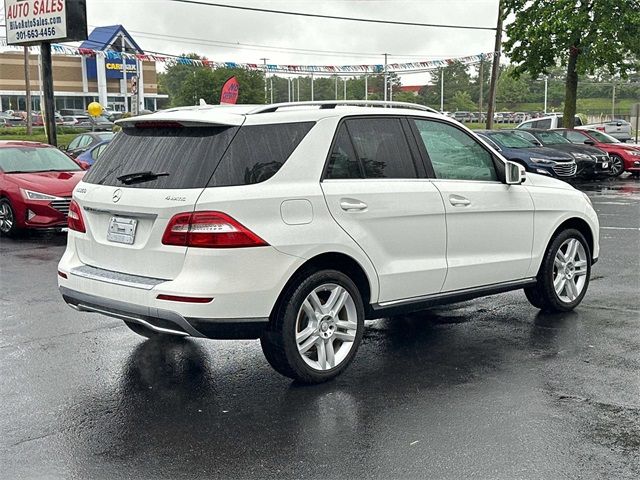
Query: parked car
(519, 117)
(547, 123)
(591, 161)
(36, 181)
(85, 141)
(8, 121)
(624, 157)
(464, 116)
(100, 123)
(78, 121)
(37, 120)
(534, 158)
(620, 129)
(92, 154)
(242, 227)
(73, 112)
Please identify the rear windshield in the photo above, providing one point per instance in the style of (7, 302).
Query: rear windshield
(238, 156)
(188, 155)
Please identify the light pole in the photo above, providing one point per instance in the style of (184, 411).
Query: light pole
(546, 86)
(385, 77)
(264, 63)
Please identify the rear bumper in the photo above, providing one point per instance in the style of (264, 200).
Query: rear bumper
(166, 321)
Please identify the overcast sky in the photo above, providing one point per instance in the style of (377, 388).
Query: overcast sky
(149, 20)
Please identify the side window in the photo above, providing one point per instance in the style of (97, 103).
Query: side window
(98, 151)
(454, 154)
(343, 162)
(546, 123)
(74, 143)
(257, 152)
(575, 137)
(85, 140)
(382, 148)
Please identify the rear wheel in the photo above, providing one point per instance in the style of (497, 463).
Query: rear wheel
(564, 274)
(317, 329)
(617, 165)
(8, 225)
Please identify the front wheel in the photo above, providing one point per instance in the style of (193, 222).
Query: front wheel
(564, 274)
(316, 331)
(617, 165)
(8, 225)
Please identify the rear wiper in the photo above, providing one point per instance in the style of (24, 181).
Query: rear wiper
(140, 177)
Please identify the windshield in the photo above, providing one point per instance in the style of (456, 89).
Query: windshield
(510, 140)
(38, 159)
(551, 138)
(603, 137)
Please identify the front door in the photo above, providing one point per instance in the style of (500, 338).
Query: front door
(489, 223)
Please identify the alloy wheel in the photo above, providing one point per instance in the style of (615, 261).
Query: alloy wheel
(6, 218)
(617, 165)
(570, 270)
(326, 326)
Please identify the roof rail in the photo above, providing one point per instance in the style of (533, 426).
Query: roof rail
(327, 104)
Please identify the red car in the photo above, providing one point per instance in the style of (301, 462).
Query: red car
(624, 157)
(36, 182)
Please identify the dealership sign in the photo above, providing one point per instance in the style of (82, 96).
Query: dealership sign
(30, 22)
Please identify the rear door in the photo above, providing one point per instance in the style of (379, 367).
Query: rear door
(125, 223)
(375, 188)
(489, 223)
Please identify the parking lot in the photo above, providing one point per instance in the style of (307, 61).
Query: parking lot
(483, 389)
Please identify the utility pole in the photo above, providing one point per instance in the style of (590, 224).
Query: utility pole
(264, 63)
(271, 88)
(336, 86)
(385, 77)
(298, 87)
(124, 75)
(312, 86)
(345, 87)
(481, 85)
(47, 87)
(546, 85)
(613, 101)
(366, 87)
(442, 90)
(27, 86)
(495, 68)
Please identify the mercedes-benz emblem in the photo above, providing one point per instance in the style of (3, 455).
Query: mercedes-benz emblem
(116, 195)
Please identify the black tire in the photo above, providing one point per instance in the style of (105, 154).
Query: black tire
(543, 295)
(7, 215)
(279, 340)
(617, 165)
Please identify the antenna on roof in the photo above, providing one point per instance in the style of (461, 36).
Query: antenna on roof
(203, 103)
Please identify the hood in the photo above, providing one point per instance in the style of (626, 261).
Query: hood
(627, 146)
(574, 148)
(547, 153)
(60, 184)
(544, 181)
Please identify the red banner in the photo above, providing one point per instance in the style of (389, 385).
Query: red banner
(229, 93)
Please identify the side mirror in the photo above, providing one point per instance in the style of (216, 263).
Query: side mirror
(588, 141)
(84, 165)
(515, 173)
(62, 147)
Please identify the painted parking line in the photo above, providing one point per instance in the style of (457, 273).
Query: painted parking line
(620, 228)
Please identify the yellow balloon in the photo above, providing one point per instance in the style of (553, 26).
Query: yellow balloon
(94, 109)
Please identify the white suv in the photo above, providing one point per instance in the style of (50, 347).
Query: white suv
(293, 223)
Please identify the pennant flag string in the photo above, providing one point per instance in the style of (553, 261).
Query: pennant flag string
(419, 66)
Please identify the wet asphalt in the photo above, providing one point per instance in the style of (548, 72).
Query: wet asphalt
(483, 389)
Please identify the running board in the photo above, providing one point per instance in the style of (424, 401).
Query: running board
(415, 304)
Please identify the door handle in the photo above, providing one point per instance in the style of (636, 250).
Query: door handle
(459, 201)
(349, 205)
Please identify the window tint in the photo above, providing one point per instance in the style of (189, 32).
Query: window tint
(37, 159)
(381, 147)
(189, 155)
(454, 154)
(343, 162)
(575, 137)
(545, 124)
(258, 152)
(85, 140)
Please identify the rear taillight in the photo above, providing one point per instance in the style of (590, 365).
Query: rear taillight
(74, 218)
(209, 230)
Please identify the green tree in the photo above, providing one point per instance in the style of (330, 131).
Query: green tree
(462, 101)
(582, 35)
(512, 89)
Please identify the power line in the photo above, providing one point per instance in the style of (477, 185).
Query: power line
(301, 51)
(333, 17)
